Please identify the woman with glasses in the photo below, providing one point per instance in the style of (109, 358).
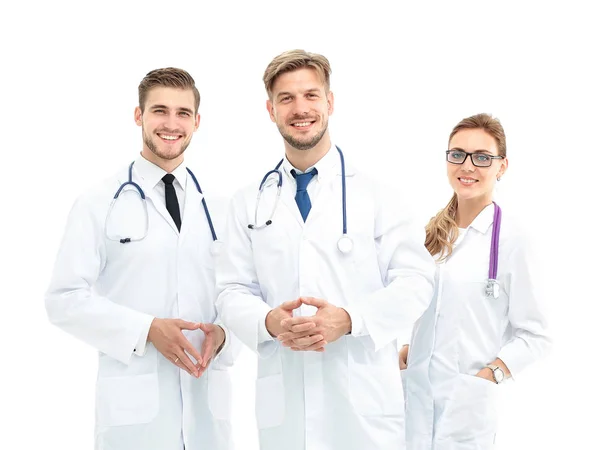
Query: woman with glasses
(485, 323)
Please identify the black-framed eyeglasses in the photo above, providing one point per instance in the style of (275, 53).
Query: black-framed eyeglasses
(478, 159)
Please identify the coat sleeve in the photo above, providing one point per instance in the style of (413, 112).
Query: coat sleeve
(71, 302)
(407, 271)
(240, 304)
(530, 337)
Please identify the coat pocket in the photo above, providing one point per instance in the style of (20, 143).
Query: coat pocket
(270, 401)
(471, 412)
(127, 400)
(219, 394)
(375, 390)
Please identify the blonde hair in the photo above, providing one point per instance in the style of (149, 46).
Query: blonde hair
(294, 60)
(442, 229)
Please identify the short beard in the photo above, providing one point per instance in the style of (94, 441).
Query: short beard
(154, 149)
(303, 145)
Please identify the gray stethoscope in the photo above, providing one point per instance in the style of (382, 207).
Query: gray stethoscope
(344, 244)
(123, 240)
(492, 289)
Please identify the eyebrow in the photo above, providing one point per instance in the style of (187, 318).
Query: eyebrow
(476, 151)
(166, 107)
(305, 92)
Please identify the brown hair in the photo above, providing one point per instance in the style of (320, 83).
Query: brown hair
(442, 230)
(294, 60)
(167, 77)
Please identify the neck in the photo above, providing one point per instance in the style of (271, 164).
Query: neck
(303, 159)
(470, 208)
(168, 165)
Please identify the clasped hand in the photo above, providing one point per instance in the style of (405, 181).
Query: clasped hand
(308, 333)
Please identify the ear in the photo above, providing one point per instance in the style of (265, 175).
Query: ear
(137, 115)
(271, 110)
(197, 122)
(330, 102)
(503, 168)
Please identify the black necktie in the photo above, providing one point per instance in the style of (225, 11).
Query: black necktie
(171, 199)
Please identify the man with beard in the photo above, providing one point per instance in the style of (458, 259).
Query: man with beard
(135, 279)
(318, 277)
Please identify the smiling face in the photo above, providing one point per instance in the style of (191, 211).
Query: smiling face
(168, 122)
(467, 180)
(300, 106)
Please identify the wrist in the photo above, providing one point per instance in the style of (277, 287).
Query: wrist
(347, 322)
(268, 320)
(223, 339)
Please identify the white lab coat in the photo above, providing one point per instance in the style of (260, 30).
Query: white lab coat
(350, 396)
(106, 294)
(447, 407)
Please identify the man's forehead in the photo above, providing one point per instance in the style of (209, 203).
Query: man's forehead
(171, 97)
(303, 79)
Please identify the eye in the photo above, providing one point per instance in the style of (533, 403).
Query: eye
(184, 114)
(311, 95)
(285, 99)
(457, 155)
(482, 157)
(159, 111)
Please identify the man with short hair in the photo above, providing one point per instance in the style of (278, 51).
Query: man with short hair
(134, 278)
(319, 277)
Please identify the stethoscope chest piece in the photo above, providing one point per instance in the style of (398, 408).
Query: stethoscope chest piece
(345, 244)
(492, 290)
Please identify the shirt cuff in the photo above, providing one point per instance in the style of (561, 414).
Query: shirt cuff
(357, 322)
(263, 333)
(140, 347)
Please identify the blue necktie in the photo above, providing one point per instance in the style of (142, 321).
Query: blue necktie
(302, 198)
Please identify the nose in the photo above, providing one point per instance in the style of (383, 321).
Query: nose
(467, 165)
(301, 106)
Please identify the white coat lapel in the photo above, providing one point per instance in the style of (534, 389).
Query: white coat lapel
(158, 203)
(330, 194)
(194, 216)
(288, 198)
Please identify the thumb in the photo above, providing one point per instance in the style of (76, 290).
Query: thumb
(185, 325)
(318, 302)
(291, 305)
(206, 327)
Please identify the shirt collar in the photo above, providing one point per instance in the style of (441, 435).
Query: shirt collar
(327, 166)
(152, 174)
(484, 219)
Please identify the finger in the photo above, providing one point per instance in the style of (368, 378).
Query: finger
(289, 335)
(187, 362)
(190, 349)
(206, 327)
(176, 359)
(317, 347)
(301, 327)
(201, 370)
(291, 305)
(185, 325)
(318, 302)
(291, 321)
(308, 341)
(208, 350)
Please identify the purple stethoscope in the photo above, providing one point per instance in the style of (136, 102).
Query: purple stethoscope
(492, 290)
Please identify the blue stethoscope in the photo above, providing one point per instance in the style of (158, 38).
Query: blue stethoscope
(123, 240)
(344, 244)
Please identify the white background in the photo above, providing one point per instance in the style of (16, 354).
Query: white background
(403, 76)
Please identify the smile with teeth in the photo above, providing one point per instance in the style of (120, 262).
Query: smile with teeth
(468, 180)
(302, 124)
(166, 137)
